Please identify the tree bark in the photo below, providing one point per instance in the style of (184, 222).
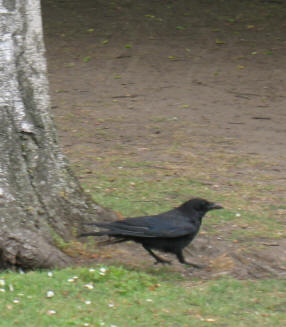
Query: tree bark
(39, 196)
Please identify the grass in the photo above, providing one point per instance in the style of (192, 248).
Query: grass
(118, 177)
(122, 181)
(137, 188)
(115, 296)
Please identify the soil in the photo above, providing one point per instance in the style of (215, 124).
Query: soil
(144, 75)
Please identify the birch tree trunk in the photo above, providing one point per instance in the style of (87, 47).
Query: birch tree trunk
(39, 196)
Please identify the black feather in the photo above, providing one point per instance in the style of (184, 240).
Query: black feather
(169, 231)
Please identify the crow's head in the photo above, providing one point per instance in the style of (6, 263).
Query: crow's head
(199, 205)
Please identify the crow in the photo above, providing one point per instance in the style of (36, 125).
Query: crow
(169, 231)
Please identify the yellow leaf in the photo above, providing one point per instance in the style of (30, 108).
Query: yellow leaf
(208, 319)
(219, 41)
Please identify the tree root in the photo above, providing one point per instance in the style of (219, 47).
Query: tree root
(29, 250)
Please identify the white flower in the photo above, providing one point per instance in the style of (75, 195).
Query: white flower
(11, 288)
(51, 312)
(111, 305)
(75, 277)
(103, 270)
(16, 301)
(89, 286)
(91, 270)
(238, 214)
(86, 324)
(70, 280)
(50, 274)
(2, 290)
(149, 300)
(87, 302)
(2, 282)
(50, 294)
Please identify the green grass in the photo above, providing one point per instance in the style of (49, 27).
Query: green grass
(118, 178)
(139, 188)
(121, 297)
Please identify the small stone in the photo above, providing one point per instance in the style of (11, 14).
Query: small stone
(50, 294)
(89, 286)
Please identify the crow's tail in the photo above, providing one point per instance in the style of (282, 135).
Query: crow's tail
(105, 242)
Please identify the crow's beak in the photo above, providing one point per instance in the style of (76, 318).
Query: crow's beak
(215, 206)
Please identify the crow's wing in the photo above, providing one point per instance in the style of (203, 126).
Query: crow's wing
(162, 225)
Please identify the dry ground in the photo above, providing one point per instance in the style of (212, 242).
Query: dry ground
(192, 84)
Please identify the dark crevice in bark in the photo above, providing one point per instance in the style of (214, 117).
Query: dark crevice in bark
(26, 138)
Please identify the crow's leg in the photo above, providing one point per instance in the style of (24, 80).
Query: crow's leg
(158, 259)
(181, 258)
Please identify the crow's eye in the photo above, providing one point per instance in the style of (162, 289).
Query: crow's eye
(202, 206)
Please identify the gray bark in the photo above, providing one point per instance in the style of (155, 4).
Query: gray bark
(39, 196)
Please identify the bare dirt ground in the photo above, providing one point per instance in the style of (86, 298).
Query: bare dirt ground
(205, 76)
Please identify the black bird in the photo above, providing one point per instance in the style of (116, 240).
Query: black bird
(169, 231)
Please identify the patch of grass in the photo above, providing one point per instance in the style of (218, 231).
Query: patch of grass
(115, 296)
(137, 188)
(130, 194)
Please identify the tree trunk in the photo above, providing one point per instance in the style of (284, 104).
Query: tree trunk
(39, 196)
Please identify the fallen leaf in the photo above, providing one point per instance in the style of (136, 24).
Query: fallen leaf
(217, 41)
(208, 319)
